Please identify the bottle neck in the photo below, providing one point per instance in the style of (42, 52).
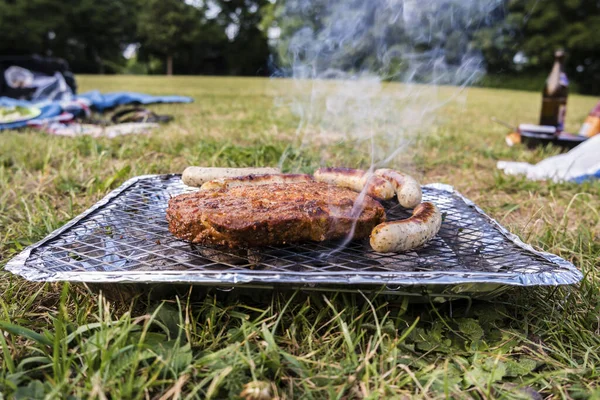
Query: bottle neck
(553, 81)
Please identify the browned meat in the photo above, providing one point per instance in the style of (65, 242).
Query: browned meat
(271, 214)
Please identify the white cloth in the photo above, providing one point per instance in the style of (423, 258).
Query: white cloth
(581, 161)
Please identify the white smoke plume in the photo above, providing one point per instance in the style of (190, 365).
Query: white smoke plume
(341, 53)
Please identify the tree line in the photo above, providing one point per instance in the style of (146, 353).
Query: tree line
(185, 37)
(515, 38)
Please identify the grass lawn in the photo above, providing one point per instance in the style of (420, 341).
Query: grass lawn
(62, 341)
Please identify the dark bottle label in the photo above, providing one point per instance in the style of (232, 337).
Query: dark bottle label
(562, 113)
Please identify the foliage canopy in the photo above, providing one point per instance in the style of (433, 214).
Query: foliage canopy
(230, 37)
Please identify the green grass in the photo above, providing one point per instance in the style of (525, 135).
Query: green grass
(66, 341)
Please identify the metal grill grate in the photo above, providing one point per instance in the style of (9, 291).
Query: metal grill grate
(125, 238)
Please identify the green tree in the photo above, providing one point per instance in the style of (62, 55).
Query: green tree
(22, 28)
(222, 38)
(89, 34)
(96, 34)
(535, 29)
(165, 27)
(247, 51)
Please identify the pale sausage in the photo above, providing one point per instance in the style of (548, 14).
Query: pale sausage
(196, 176)
(357, 180)
(408, 190)
(407, 234)
(254, 180)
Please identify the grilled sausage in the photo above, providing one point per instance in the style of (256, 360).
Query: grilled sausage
(253, 180)
(196, 176)
(356, 179)
(407, 234)
(408, 190)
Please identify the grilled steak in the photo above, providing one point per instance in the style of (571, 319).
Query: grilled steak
(271, 214)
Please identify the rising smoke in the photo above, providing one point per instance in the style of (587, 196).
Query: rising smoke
(341, 53)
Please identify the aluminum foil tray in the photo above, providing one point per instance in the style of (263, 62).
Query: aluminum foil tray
(124, 238)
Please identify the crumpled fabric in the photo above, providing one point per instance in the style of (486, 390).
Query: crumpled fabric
(82, 104)
(74, 129)
(580, 164)
(44, 87)
(101, 102)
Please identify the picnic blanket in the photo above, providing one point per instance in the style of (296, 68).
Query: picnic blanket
(81, 105)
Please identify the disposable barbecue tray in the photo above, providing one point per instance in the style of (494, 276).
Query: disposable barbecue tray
(124, 238)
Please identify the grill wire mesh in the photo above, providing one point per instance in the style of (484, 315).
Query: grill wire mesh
(125, 238)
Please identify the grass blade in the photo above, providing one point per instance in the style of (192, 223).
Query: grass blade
(25, 332)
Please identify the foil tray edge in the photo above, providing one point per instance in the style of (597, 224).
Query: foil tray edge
(17, 265)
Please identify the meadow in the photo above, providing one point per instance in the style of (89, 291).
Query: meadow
(68, 341)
